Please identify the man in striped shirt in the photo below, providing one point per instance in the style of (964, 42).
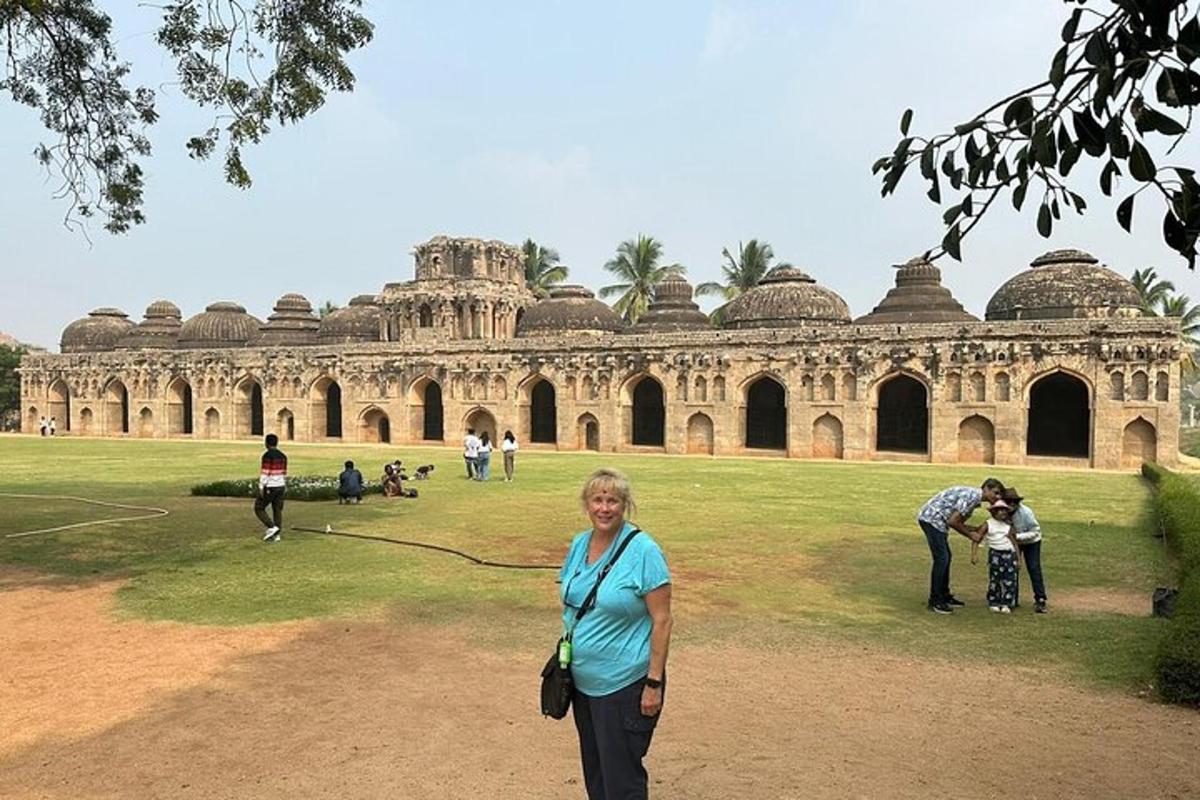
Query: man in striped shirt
(272, 483)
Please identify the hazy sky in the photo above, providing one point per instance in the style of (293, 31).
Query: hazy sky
(580, 125)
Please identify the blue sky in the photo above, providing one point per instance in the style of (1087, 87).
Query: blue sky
(701, 123)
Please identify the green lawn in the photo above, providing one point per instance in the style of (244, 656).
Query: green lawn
(765, 551)
(1189, 441)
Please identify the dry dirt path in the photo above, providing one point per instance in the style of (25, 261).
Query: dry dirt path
(91, 707)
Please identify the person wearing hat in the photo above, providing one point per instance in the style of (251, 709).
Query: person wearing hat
(946, 510)
(1029, 540)
(1004, 558)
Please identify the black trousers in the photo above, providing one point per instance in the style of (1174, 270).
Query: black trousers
(273, 497)
(1032, 555)
(939, 574)
(613, 739)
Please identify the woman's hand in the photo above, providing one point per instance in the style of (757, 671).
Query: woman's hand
(652, 701)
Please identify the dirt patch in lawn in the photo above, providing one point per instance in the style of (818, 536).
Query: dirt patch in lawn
(1104, 601)
(97, 708)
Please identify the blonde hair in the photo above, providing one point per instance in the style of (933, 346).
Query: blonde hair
(613, 481)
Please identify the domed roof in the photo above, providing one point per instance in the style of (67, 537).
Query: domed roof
(292, 323)
(99, 330)
(1065, 284)
(222, 324)
(918, 296)
(672, 309)
(569, 308)
(357, 322)
(159, 329)
(785, 298)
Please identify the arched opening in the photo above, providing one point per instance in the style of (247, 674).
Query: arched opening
(828, 437)
(766, 414)
(1117, 390)
(976, 441)
(376, 427)
(1002, 387)
(481, 420)
(1139, 388)
(33, 420)
(179, 408)
(978, 387)
(1059, 418)
(248, 408)
(285, 423)
(145, 423)
(1162, 388)
(902, 417)
(849, 388)
(1139, 443)
(807, 392)
(543, 414)
(954, 388)
(426, 316)
(828, 388)
(60, 405)
(85, 421)
(212, 424)
(116, 408)
(326, 411)
(432, 425)
(700, 434)
(718, 389)
(701, 393)
(649, 414)
(589, 432)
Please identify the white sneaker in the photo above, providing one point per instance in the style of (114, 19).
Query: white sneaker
(1005, 610)
(997, 609)
(271, 534)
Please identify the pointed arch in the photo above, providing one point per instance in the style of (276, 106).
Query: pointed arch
(1162, 387)
(325, 408)
(1139, 386)
(425, 412)
(248, 407)
(646, 413)
(588, 432)
(1116, 386)
(902, 413)
(538, 409)
(179, 408)
(700, 392)
(86, 421)
(145, 423)
(718, 389)
(828, 440)
(212, 424)
(60, 404)
(116, 408)
(828, 388)
(976, 440)
(499, 388)
(978, 386)
(1060, 415)
(374, 425)
(1003, 387)
(954, 387)
(849, 387)
(1139, 443)
(700, 434)
(285, 424)
(766, 412)
(480, 420)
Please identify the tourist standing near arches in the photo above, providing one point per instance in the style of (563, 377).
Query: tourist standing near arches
(618, 653)
(52, 424)
(946, 510)
(44, 426)
(1029, 539)
(483, 458)
(509, 448)
(272, 483)
(470, 451)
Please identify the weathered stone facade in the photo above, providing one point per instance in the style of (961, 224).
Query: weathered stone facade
(1067, 373)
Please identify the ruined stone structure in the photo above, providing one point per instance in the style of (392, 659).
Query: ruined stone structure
(1062, 370)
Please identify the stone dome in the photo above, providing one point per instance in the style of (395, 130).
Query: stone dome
(785, 298)
(99, 330)
(158, 330)
(220, 325)
(357, 322)
(292, 323)
(1065, 284)
(918, 296)
(672, 309)
(569, 309)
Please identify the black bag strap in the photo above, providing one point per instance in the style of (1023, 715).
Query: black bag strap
(590, 600)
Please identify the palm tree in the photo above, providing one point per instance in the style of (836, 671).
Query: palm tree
(542, 269)
(1151, 289)
(741, 273)
(1189, 323)
(636, 264)
(327, 308)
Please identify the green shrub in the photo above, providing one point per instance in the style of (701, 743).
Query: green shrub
(298, 488)
(1178, 659)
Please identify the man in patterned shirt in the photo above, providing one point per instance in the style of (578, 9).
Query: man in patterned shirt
(945, 510)
(272, 483)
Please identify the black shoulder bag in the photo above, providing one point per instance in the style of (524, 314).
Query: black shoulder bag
(557, 684)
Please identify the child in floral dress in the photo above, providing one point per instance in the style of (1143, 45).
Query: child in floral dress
(1004, 558)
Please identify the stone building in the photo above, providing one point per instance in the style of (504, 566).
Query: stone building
(1062, 370)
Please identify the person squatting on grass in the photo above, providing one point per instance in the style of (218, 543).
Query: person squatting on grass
(619, 649)
(350, 484)
(1029, 540)
(945, 510)
(272, 483)
(509, 448)
(1004, 557)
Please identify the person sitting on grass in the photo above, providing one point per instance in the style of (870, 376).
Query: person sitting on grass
(1029, 539)
(350, 484)
(391, 481)
(1004, 558)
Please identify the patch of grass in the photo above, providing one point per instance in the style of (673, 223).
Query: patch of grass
(762, 550)
(1189, 441)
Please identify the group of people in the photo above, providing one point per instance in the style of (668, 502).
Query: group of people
(477, 455)
(1012, 534)
(351, 484)
(47, 426)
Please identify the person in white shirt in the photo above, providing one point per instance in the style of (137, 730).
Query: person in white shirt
(509, 448)
(1004, 558)
(470, 452)
(1029, 539)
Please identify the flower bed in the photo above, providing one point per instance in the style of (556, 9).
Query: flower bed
(302, 487)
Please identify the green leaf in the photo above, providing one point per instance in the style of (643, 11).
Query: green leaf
(1044, 223)
(1058, 67)
(951, 213)
(1174, 233)
(1018, 197)
(1125, 213)
(1078, 201)
(1188, 43)
(1068, 30)
(935, 189)
(928, 168)
(905, 121)
(1151, 120)
(1089, 133)
(967, 206)
(1106, 177)
(1141, 165)
(1096, 51)
(1002, 170)
(880, 164)
(1068, 158)
(950, 243)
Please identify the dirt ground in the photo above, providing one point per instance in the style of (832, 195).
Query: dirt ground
(92, 707)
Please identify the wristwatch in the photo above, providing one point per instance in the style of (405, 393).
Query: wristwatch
(653, 683)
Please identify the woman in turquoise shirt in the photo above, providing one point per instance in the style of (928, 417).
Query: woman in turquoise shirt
(619, 647)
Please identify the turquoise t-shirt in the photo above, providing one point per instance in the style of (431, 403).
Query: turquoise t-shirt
(611, 645)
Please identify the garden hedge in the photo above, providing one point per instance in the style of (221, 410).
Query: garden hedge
(1177, 501)
(298, 488)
